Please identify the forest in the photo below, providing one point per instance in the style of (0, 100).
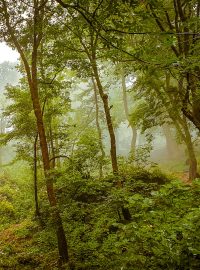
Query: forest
(100, 135)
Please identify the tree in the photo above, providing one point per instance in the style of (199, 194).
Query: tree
(31, 28)
(127, 113)
(163, 110)
(89, 44)
(98, 129)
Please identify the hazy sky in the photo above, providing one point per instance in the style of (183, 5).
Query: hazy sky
(7, 54)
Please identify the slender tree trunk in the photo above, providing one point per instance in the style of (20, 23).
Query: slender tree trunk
(58, 163)
(183, 130)
(99, 130)
(2, 131)
(113, 153)
(104, 98)
(134, 138)
(62, 243)
(191, 152)
(126, 109)
(37, 210)
(53, 163)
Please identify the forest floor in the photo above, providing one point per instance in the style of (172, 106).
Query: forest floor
(19, 249)
(20, 243)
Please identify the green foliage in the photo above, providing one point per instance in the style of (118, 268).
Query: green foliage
(162, 233)
(7, 211)
(161, 212)
(16, 192)
(85, 154)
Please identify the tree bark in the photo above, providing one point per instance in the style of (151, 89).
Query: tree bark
(126, 109)
(190, 149)
(99, 130)
(53, 162)
(37, 210)
(104, 97)
(113, 152)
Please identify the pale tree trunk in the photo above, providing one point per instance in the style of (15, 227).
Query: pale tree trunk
(31, 73)
(53, 162)
(2, 131)
(171, 144)
(126, 109)
(99, 130)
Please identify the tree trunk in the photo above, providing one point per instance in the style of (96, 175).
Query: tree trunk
(191, 152)
(134, 138)
(58, 163)
(2, 131)
(192, 164)
(104, 98)
(126, 109)
(113, 153)
(37, 210)
(183, 130)
(99, 130)
(53, 162)
(62, 243)
(171, 145)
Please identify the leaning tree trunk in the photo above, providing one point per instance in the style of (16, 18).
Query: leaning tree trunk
(104, 97)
